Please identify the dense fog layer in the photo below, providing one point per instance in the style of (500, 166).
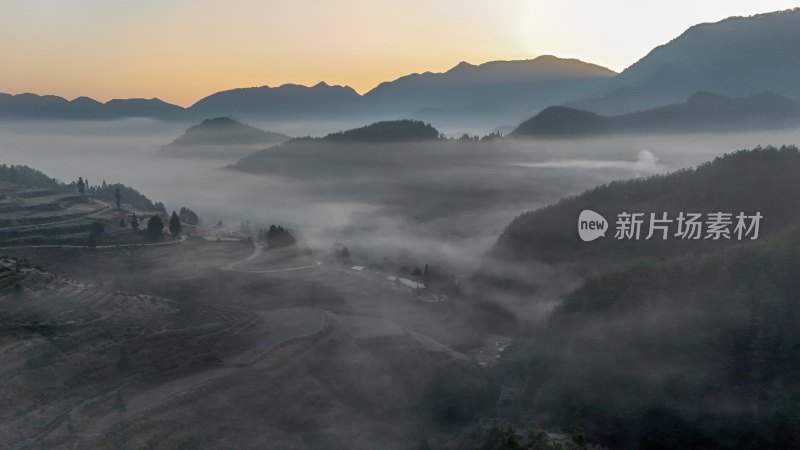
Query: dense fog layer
(413, 212)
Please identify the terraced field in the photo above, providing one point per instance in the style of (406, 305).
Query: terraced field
(67, 348)
(30, 216)
(21, 208)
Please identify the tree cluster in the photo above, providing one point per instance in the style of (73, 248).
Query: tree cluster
(341, 253)
(186, 215)
(466, 137)
(388, 131)
(276, 236)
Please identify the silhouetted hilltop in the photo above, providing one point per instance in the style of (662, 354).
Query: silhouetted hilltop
(387, 131)
(345, 152)
(543, 68)
(138, 107)
(222, 136)
(560, 121)
(702, 112)
(288, 100)
(734, 57)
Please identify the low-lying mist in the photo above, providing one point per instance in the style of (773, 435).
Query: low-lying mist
(415, 207)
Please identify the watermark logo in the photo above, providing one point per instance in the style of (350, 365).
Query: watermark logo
(591, 225)
(660, 226)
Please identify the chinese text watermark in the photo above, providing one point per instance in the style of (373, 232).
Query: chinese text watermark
(660, 226)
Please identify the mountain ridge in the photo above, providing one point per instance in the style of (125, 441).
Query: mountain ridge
(702, 112)
(735, 56)
(502, 80)
(47, 107)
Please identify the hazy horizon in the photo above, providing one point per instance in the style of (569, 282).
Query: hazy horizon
(181, 52)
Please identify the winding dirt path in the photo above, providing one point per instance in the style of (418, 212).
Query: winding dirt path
(94, 213)
(256, 253)
(258, 248)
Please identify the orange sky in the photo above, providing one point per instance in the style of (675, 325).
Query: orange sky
(182, 50)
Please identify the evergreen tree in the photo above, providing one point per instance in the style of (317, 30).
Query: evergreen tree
(81, 186)
(175, 224)
(117, 197)
(186, 215)
(155, 228)
(134, 222)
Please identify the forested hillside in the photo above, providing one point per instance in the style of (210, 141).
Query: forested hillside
(762, 180)
(691, 352)
(25, 176)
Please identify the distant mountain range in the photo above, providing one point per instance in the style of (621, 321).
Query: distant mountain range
(735, 57)
(51, 107)
(702, 112)
(508, 88)
(222, 137)
(513, 88)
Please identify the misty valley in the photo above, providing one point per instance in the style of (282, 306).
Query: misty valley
(447, 261)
